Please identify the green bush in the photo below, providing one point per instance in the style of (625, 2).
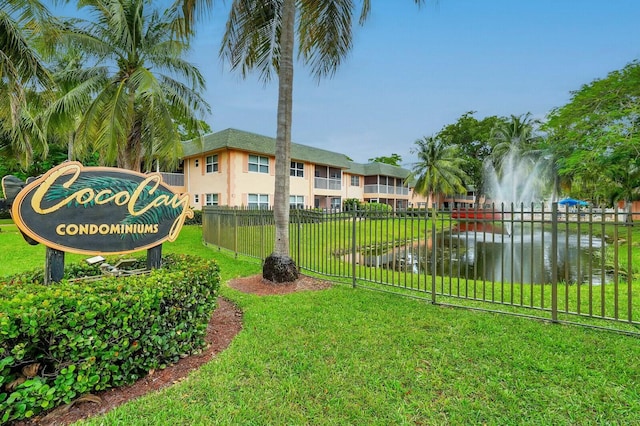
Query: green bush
(77, 337)
(377, 210)
(196, 219)
(351, 204)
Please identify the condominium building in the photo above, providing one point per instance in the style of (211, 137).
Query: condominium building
(237, 168)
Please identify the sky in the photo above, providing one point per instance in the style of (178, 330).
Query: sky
(413, 70)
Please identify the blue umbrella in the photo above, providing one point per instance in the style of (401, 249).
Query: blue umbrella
(568, 202)
(572, 202)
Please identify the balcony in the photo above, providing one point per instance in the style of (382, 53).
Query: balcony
(173, 179)
(386, 189)
(326, 183)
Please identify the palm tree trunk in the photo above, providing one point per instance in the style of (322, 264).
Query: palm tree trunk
(279, 267)
(283, 137)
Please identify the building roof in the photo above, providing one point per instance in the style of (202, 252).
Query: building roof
(259, 144)
(378, 169)
(247, 141)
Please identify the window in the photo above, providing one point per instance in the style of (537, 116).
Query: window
(335, 203)
(211, 163)
(196, 198)
(297, 169)
(355, 180)
(258, 164)
(296, 201)
(210, 199)
(258, 201)
(197, 162)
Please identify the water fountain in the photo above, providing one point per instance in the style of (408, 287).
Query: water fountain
(518, 181)
(512, 241)
(522, 251)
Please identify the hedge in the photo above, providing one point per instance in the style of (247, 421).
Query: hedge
(62, 341)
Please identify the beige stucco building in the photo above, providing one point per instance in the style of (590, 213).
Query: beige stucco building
(237, 168)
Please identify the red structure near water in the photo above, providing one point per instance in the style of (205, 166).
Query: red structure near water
(476, 214)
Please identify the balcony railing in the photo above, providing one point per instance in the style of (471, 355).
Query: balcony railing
(173, 179)
(324, 183)
(385, 189)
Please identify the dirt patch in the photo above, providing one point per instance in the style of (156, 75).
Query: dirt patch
(224, 325)
(258, 285)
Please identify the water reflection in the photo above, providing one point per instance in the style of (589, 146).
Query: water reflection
(523, 255)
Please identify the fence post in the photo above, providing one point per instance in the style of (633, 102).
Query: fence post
(299, 219)
(263, 222)
(554, 262)
(434, 245)
(235, 233)
(353, 246)
(219, 234)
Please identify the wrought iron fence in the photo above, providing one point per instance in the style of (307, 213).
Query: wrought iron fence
(561, 264)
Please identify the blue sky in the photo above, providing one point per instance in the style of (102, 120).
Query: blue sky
(414, 70)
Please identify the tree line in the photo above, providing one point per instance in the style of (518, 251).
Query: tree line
(589, 148)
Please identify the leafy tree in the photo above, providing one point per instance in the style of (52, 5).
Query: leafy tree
(473, 138)
(393, 159)
(260, 36)
(190, 131)
(138, 86)
(596, 136)
(439, 169)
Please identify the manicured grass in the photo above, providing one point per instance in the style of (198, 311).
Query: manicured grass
(18, 256)
(352, 356)
(345, 356)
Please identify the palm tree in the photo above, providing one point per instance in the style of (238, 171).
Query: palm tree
(72, 95)
(22, 76)
(139, 85)
(516, 135)
(260, 35)
(438, 171)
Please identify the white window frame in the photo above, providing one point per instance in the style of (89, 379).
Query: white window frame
(336, 203)
(258, 201)
(210, 199)
(258, 164)
(211, 163)
(296, 201)
(297, 169)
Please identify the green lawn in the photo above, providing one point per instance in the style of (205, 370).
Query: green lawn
(352, 356)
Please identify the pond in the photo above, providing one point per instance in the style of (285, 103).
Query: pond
(524, 255)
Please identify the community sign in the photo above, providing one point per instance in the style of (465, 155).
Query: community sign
(99, 210)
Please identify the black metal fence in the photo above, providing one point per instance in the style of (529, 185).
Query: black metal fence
(561, 264)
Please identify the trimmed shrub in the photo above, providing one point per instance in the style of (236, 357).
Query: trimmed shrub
(377, 210)
(196, 219)
(351, 204)
(61, 341)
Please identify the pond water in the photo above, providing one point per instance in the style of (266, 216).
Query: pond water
(524, 256)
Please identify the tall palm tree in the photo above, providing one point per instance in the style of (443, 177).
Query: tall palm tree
(438, 171)
(260, 35)
(22, 75)
(140, 83)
